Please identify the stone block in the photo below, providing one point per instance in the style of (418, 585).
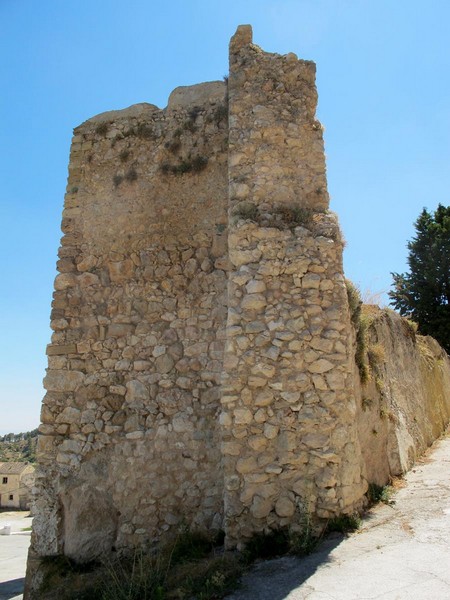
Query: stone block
(56, 349)
(116, 330)
(63, 381)
(65, 281)
(242, 416)
(246, 465)
(261, 507)
(136, 391)
(121, 271)
(284, 507)
(69, 415)
(320, 366)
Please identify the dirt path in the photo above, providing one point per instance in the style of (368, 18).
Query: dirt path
(400, 553)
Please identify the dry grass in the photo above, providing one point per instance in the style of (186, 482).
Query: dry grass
(191, 566)
(376, 355)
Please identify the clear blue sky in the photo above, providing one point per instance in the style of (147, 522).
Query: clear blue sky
(384, 97)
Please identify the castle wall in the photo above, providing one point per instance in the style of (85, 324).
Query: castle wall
(202, 366)
(129, 444)
(405, 405)
(290, 442)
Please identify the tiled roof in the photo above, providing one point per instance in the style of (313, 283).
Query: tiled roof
(12, 468)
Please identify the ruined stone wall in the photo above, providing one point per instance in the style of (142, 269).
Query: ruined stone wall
(201, 328)
(290, 442)
(130, 442)
(202, 365)
(405, 404)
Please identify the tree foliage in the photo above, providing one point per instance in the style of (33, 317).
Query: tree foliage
(423, 294)
(19, 447)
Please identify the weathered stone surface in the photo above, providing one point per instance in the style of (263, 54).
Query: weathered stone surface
(243, 416)
(261, 507)
(246, 465)
(65, 281)
(320, 366)
(90, 523)
(120, 271)
(136, 390)
(63, 381)
(284, 507)
(254, 302)
(194, 95)
(164, 363)
(54, 349)
(69, 415)
(201, 366)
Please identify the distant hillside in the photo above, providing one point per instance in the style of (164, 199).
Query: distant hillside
(18, 447)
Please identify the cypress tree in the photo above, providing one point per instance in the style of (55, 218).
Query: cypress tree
(423, 294)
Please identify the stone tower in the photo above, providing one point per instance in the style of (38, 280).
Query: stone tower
(201, 366)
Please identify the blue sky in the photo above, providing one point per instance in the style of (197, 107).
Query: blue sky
(384, 98)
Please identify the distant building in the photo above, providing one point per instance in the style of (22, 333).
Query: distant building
(16, 481)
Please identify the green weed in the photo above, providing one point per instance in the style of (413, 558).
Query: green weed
(102, 129)
(131, 175)
(246, 211)
(124, 155)
(380, 493)
(344, 523)
(117, 180)
(295, 216)
(194, 165)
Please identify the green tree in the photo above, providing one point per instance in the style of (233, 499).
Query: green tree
(423, 294)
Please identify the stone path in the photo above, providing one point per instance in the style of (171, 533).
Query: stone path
(400, 553)
(13, 554)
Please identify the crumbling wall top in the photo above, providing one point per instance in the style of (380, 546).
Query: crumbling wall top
(242, 37)
(140, 110)
(199, 94)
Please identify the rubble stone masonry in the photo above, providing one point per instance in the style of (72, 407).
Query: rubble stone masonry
(201, 369)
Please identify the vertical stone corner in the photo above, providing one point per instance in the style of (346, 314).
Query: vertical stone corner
(242, 37)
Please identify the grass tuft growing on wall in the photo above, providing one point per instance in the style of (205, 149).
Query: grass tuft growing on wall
(102, 129)
(117, 180)
(131, 175)
(246, 211)
(376, 356)
(145, 131)
(191, 165)
(124, 155)
(361, 324)
(295, 216)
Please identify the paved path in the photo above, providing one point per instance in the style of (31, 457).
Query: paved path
(13, 554)
(400, 553)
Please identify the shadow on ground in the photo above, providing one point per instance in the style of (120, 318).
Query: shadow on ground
(275, 579)
(11, 589)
